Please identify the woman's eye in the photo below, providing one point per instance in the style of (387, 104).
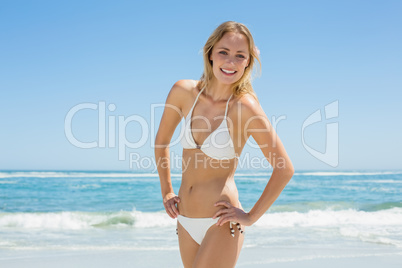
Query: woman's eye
(223, 53)
(241, 56)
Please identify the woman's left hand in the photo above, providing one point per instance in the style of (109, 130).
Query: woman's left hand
(231, 213)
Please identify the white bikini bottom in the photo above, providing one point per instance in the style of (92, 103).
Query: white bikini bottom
(198, 227)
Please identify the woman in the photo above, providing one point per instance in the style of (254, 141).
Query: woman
(221, 112)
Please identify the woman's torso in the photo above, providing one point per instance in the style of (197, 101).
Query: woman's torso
(206, 179)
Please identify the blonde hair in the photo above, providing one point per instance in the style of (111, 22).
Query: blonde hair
(243, 85)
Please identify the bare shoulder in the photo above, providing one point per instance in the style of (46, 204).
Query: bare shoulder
(181, 91)
(252, 115)
(184, 86)
(250, 106)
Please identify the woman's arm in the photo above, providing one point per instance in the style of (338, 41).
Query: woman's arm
(171, 117)
(271, 146)
(256, 123)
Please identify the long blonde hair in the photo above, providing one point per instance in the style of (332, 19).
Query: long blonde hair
(243, 85)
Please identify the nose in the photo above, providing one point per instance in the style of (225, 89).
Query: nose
(230, 61)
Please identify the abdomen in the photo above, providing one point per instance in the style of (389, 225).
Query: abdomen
(204, 184)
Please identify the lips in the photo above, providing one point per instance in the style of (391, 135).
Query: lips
(227, 72)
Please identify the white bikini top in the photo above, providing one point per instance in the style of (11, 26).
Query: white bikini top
(217, 145)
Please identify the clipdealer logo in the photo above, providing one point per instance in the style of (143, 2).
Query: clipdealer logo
(122, 142)
(331, 154)
(108, 126)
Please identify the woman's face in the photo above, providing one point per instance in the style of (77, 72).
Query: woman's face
(230, 56)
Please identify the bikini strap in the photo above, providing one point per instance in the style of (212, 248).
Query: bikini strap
(227, 104)
(196, 99)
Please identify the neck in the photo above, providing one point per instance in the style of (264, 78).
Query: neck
(218, 91)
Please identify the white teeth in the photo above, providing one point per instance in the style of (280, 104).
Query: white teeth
(228, 72)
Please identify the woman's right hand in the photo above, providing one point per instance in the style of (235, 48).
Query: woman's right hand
(169, 201)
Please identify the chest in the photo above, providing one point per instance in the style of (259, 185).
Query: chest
(205, 119)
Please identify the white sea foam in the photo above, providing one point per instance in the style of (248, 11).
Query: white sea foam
(347, 173)
(329, 218)
(8, 182)
(90, 248)
(73, 174)
(316, 257)
(372, 235)
(86, 186)
(46, 174)
(137, 219)
(155, 230)
(84, 220)
(374, 181)
(322, 173)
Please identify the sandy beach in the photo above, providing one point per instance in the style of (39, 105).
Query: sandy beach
(250, 257)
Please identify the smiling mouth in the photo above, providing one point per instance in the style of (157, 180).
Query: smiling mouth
(227, 72)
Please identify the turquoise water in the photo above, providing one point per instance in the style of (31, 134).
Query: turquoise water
(104, 210)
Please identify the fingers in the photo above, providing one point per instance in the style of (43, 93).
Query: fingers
(175, 210)
(228, 213)
(169, 210)
(220, 212)
(223, 203)
(172, 211)
(224, 219)
(170, 207)
(225, 214)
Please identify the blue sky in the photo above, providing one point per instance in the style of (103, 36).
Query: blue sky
(56, 55)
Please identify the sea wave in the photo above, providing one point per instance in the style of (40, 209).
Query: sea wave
(375, 181)
(8, 182)
(239, 174)
(371, 235)
(45, 174)
(328, 218)
(69, 220)
(319, 173)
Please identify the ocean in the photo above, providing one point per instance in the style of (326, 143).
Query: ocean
(97, 211)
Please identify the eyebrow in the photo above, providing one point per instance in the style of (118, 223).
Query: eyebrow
(241, 51)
